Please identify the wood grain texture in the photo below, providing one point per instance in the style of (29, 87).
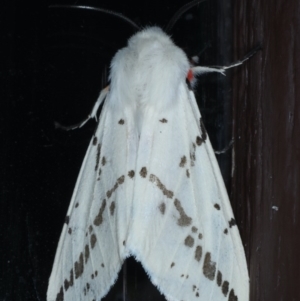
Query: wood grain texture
(267, 129)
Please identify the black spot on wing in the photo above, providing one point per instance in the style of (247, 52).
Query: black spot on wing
(226, 231)
(219, 278)
(184, 219)
(198, 253)
(79, 267)
(98, 156)
(232, 296)
(60, 295)
(103, 162)
(131, 174)
(189, 241)
(172, 264)
(99, 218)
(209, 267)
(70, 231)
(168, 193)
(232, 223)
(193, 155)
(95, 140)
(199, 140)
(112, 208)
(69, 282)
(200, 236)
(225, 288)
(93, 241)
(76, 205)
(143, 172)
(187, 173)
(217, 206)
(164, 120)
(194, 229)
(86, 253)
(121, 121)
(182, 161)
(162, 208)
(119, 182)
(102, 264)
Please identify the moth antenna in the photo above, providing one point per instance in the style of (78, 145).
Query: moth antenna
(180, 12)
(102, 10)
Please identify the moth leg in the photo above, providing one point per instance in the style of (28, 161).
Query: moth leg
(93, 113)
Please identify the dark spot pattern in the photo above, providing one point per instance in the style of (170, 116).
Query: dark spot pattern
(164, 120)
(67, 219)
(232, 223)
(225, 288)
(90, 228)
(119, 182)
(60, 295)
(198, 140)
(102, 264)
(143, 172)
(189, 241)
(226, 231)
(198, 253)
(93, 240)
(194, 229)
(219, 278)
(121, 121)
(184, 220)
(182, 161)
(197, 294)
(209, 267)
(232, 296)
(103, 162)
(95, 140)
(99, 218)
(200, 236)
(70, 231)
(124, 242)
(112, 208)
(172, 264)
(69, 282)
(193, 155)
(168, 193)
(86, 253)
(217, 206)
(76, 205)
(131, 174)
(98, 156)
(78, 266)
(162, 208)
(187, 173)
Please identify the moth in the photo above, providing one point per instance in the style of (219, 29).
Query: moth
(150, 187)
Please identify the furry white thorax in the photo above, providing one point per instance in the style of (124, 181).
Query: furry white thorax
(146, 71)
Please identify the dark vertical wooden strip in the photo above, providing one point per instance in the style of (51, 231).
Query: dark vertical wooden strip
(267, 130)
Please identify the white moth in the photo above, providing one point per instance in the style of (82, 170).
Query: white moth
(150, 187)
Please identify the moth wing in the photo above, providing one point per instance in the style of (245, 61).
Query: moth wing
(184, 232)
(91, 248)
